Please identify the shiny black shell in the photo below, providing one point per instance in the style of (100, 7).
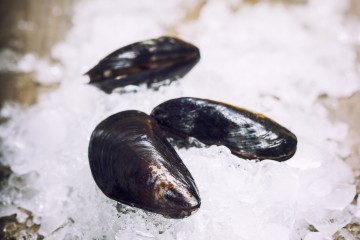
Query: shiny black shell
(247, 134)
(133, 163)
(150, 61)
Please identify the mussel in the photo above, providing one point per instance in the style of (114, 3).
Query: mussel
(151, 61)
(133, 163)
(248, 135)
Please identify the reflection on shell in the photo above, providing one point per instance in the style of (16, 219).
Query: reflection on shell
(133, 163)
(151, 61)
(246, 134)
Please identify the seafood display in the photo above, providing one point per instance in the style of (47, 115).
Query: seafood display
(130, 157)
(247, 134)
(200, 161)
(148, 62)
(133, 163)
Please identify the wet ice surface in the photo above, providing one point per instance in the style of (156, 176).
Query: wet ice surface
(269, 58)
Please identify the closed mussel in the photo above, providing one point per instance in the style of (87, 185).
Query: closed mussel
(247, 134)
(150, 62)
(133, 163)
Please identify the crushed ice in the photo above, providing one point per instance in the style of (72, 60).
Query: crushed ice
(271, 58)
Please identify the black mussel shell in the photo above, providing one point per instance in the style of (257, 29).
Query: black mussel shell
(247, 134)
(150, 62)
(133, 163)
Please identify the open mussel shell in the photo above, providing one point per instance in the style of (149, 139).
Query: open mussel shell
(247, 134)
(150, 62)
(133, 163)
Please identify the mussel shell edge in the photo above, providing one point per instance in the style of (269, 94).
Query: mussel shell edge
(132, 163)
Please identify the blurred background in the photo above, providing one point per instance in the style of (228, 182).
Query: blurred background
(28, 26)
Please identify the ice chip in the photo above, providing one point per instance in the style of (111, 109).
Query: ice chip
(340, 197)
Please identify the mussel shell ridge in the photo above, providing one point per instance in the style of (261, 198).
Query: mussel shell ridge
(133, 163)
(150, 62)
(247, 134)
